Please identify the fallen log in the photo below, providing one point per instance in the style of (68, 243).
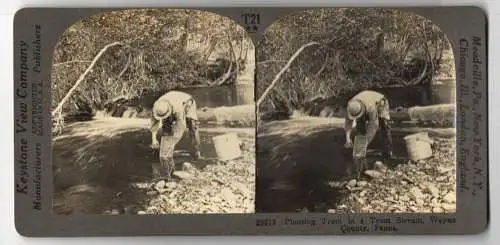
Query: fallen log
(435, 113)
(241, 115)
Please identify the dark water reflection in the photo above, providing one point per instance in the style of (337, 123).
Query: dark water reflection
(228, 95)
(444, 92)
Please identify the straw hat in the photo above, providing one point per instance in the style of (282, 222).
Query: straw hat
(162, 109)
(355, 109)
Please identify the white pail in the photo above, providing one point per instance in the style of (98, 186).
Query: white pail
(418, 146)
(227, 146)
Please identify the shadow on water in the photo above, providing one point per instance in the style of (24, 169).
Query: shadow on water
(307, 162)
(93, 173)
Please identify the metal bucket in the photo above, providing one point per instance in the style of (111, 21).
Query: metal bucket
(418, 146)
(227, 146)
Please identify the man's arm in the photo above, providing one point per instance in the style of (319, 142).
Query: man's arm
(155, 126)
(348, 125)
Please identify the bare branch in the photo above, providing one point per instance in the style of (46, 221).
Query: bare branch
(129, 60)
(271, 61)
(323, 66)
(82, 77)
(277, 77)
(72, 61)
(229, 72)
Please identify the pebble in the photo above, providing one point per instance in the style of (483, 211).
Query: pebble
(362, 183)
(380, 166)
(449, 207)
(420, 202)
(241, 188)
(450, 197)
(404, 198)
(141, 212)
(390, 199)
(361, 201)
(251, 170)
(443, 170)
(170, 185)
(437, 210)
(432, 189)
(417, 194)
(351, 183)
(441, 178)
(373, 174)
(229, 196)
(188, 167)
(160, 185)
(363, 193)
(183, 175)
(152, 193)
(331, 211)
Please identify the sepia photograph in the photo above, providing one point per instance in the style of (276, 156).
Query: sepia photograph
(355, 114)
(153, 113)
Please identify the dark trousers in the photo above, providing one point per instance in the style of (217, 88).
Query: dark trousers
(385, 130)
(168, 136)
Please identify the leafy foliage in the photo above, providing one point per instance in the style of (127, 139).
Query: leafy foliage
(162, 49)
(360, 48)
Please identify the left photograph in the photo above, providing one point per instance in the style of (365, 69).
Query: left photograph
(153, 113)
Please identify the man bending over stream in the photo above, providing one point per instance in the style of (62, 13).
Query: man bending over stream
(370, 111)
(174, 113)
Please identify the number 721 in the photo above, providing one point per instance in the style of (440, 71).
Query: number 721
(251, 18)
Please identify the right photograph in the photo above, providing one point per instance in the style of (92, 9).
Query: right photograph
(356, 114)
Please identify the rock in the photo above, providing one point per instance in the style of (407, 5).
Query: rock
(362, 183)
(188, 167)
(331, 211)
(363, 193)
(115, 212)
(361, 201)
(432, 189)
(416, 194)
(380, 166)
(404, 198)
(152, 193)
(141, 212)
(390, 199)
(170, 185)
(420, 202)
(183, 175)
(451, 197)
(434, 201)
(437, 210)
(442, 178)
(414, 209)
(241, 188)
(351, 183)
(443, 170)
(335, 184)
(373, 174)
(449, 207)
(228, 195)
(160, 185)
